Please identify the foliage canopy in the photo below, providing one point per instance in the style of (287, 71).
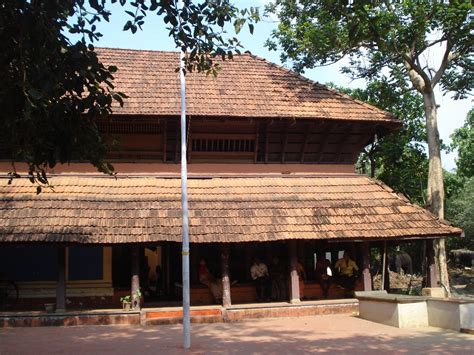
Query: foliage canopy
(398, 159)
(463, 141)
(54, 90)
(380, 35)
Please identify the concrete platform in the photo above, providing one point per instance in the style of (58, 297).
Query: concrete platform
(173, 315)
(70, 318)
(340, 334)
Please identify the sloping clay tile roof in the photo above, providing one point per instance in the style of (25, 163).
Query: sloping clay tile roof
(231, 209)
(246, 86)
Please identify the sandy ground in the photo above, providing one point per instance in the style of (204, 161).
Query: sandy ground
(329, 334)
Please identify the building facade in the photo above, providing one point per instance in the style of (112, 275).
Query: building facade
(271, 175)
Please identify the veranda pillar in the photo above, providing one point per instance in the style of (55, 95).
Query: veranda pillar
(61, 285)
(385, 268)
(366, 277)
(431, 269)
(226, 297)
(135, 289)
(294, 278)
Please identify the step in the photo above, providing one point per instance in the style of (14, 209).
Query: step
(179, 320)
(159, 317)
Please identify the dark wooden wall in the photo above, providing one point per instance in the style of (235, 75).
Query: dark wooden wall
(239, 140)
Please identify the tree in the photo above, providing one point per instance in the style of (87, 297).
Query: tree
(398, 159)
(463, 141)
(460, 199)
(387, 38)
(54, 90)
(460, 210)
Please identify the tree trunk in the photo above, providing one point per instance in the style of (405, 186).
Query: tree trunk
(372, 167)
(435, 180)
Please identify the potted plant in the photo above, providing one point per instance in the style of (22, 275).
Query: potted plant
(126, 302)
(129, 302)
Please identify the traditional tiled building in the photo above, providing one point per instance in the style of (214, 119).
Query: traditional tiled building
(271, 173)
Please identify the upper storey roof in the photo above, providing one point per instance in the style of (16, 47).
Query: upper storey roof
(247, 86)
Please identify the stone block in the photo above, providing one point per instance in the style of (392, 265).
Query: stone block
(437, 292)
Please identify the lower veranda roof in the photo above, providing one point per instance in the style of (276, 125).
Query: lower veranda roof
(222, 209)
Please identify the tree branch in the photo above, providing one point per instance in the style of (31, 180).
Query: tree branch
(447, 58)
(417, 76)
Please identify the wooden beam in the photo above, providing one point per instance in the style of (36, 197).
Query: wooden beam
(307, 134)
(294, 278)
(61, 284)
(385, 268)
(267, 142)
(168, 268)
(343, 142)
(284, 142)
(164, 135)
(257, 134)
(334, 255)
(366, 277)
(226, 295)
(324, 141)
(431, 269)
(177, 149)
(367, 133)
(135, 289)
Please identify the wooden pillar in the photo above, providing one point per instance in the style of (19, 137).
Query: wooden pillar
(366, 277)
(294, 278)
(61, 284)
(334, 254)
(385, 269)
(226, 296)
(168, 273)
(432, 271)
(135, 289)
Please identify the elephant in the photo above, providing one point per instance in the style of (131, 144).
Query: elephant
(399, 261)
(462, 257)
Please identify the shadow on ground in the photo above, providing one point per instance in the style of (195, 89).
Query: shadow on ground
(341, 334)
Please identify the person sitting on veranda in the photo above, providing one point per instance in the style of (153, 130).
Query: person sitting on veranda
(261, 278)
(347, 271)
(323, 274)
(206, 278)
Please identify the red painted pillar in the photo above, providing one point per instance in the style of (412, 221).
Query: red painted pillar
(226, 296)
(294, 278)
(135, 289)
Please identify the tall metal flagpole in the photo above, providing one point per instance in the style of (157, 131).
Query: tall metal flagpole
(184, 205)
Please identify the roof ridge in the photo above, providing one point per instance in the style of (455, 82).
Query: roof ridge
(137, 50)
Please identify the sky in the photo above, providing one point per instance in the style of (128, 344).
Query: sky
(451, 114)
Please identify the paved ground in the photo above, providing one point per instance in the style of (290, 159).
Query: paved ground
(330, 333)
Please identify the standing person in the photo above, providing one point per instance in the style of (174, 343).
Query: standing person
(206, 278)
(278, 280)
(159, 280)
(323, 273)
(346, 269)
(261, 278)
(301, 277)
